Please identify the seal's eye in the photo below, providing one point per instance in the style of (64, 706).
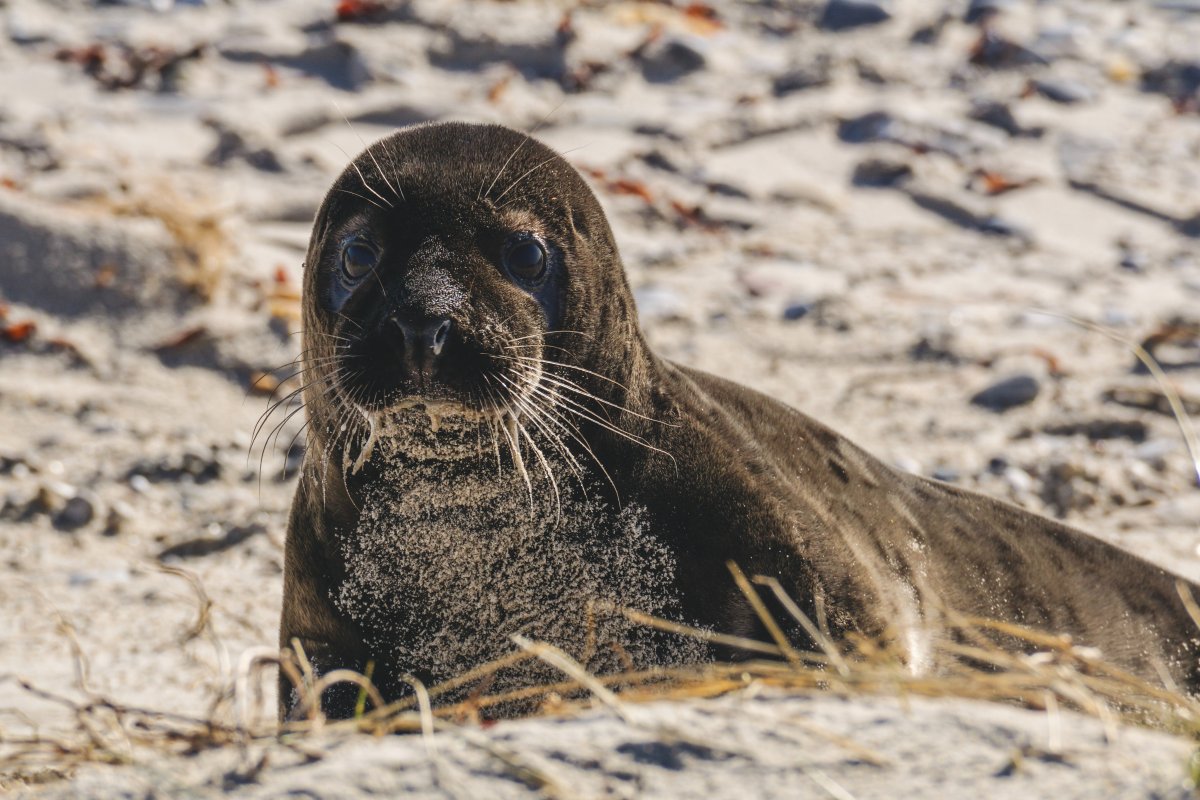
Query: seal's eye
(525, 259)
(358, 259)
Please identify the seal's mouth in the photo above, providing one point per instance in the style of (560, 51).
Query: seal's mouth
(437, 409)
(436, 427)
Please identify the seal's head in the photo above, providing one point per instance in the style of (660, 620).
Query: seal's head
(450, 266)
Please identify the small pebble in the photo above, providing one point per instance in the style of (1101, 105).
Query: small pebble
(1133, 261)
(983, 10)
(77, 512)
(870, 127)
(670, 59)
(1064, 91)
(795, 311)
(1008, 393)
(999, 115)
(119, 516)
(945, 474)
(880, 172)
(1018, 480)
(815, 73)
(840, 15)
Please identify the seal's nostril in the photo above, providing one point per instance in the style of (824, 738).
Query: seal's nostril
(439, 337)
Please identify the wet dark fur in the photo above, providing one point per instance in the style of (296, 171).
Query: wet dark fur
(748, 479)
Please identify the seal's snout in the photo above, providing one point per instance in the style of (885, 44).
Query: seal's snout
(419, 341)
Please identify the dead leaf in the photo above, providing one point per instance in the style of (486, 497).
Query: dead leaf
(358, 10)
(18, 332)
(184, 337)
(631, 187)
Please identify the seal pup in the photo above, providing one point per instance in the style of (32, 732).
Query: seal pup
(493, 450)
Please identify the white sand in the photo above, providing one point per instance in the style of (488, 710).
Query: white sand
(156, 441)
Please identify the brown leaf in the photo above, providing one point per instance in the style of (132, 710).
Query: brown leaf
(106, 276)
(702, 19)
(632, 187)
(264, 383)
(184, 337)
(995, 183)
(497, 89)
(18, 332)
(356, 10)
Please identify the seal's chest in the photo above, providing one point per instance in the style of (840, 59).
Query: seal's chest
(446, 566)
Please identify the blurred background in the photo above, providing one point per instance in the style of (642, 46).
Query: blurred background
(861, 207)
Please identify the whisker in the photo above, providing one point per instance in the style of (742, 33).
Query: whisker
(395, 189)
(526, 140)
(574, 367)
(362, 177)
(369, 200)
(529, 172)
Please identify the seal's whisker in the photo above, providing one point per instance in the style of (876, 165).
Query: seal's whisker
(353, 322)
(481, 194)
(527, 173)
(537, 451)
(575, 367)
(302, 429)
(570, 386)
(509, 427)
(272, 408)
(536, 416)
(566, 383)
(368, 446)
(294, 364)
(549, 333)
(278, 429)
(582, 411)
(532, 408)
(574, 433)
(363, 178)
(327, 335)
(554, 415)
(539, 346)
(369, 200)
(496, 412)
(274, 405)
(395, 189)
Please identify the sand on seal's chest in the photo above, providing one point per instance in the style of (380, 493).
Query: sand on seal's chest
(451, 558)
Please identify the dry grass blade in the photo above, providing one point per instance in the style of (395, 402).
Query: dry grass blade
(824, 642)
(560, 660)
(703, 635)
(764, 616)
(1186, 428)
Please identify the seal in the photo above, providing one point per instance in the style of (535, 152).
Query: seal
(494, 452)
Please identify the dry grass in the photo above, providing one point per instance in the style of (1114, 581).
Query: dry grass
(1046, 672)
(197, 226)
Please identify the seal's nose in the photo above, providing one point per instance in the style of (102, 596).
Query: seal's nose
(421, 343)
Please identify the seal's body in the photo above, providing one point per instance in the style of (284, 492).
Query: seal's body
(494, 450)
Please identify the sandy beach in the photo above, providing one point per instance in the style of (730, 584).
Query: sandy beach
(937, 227)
